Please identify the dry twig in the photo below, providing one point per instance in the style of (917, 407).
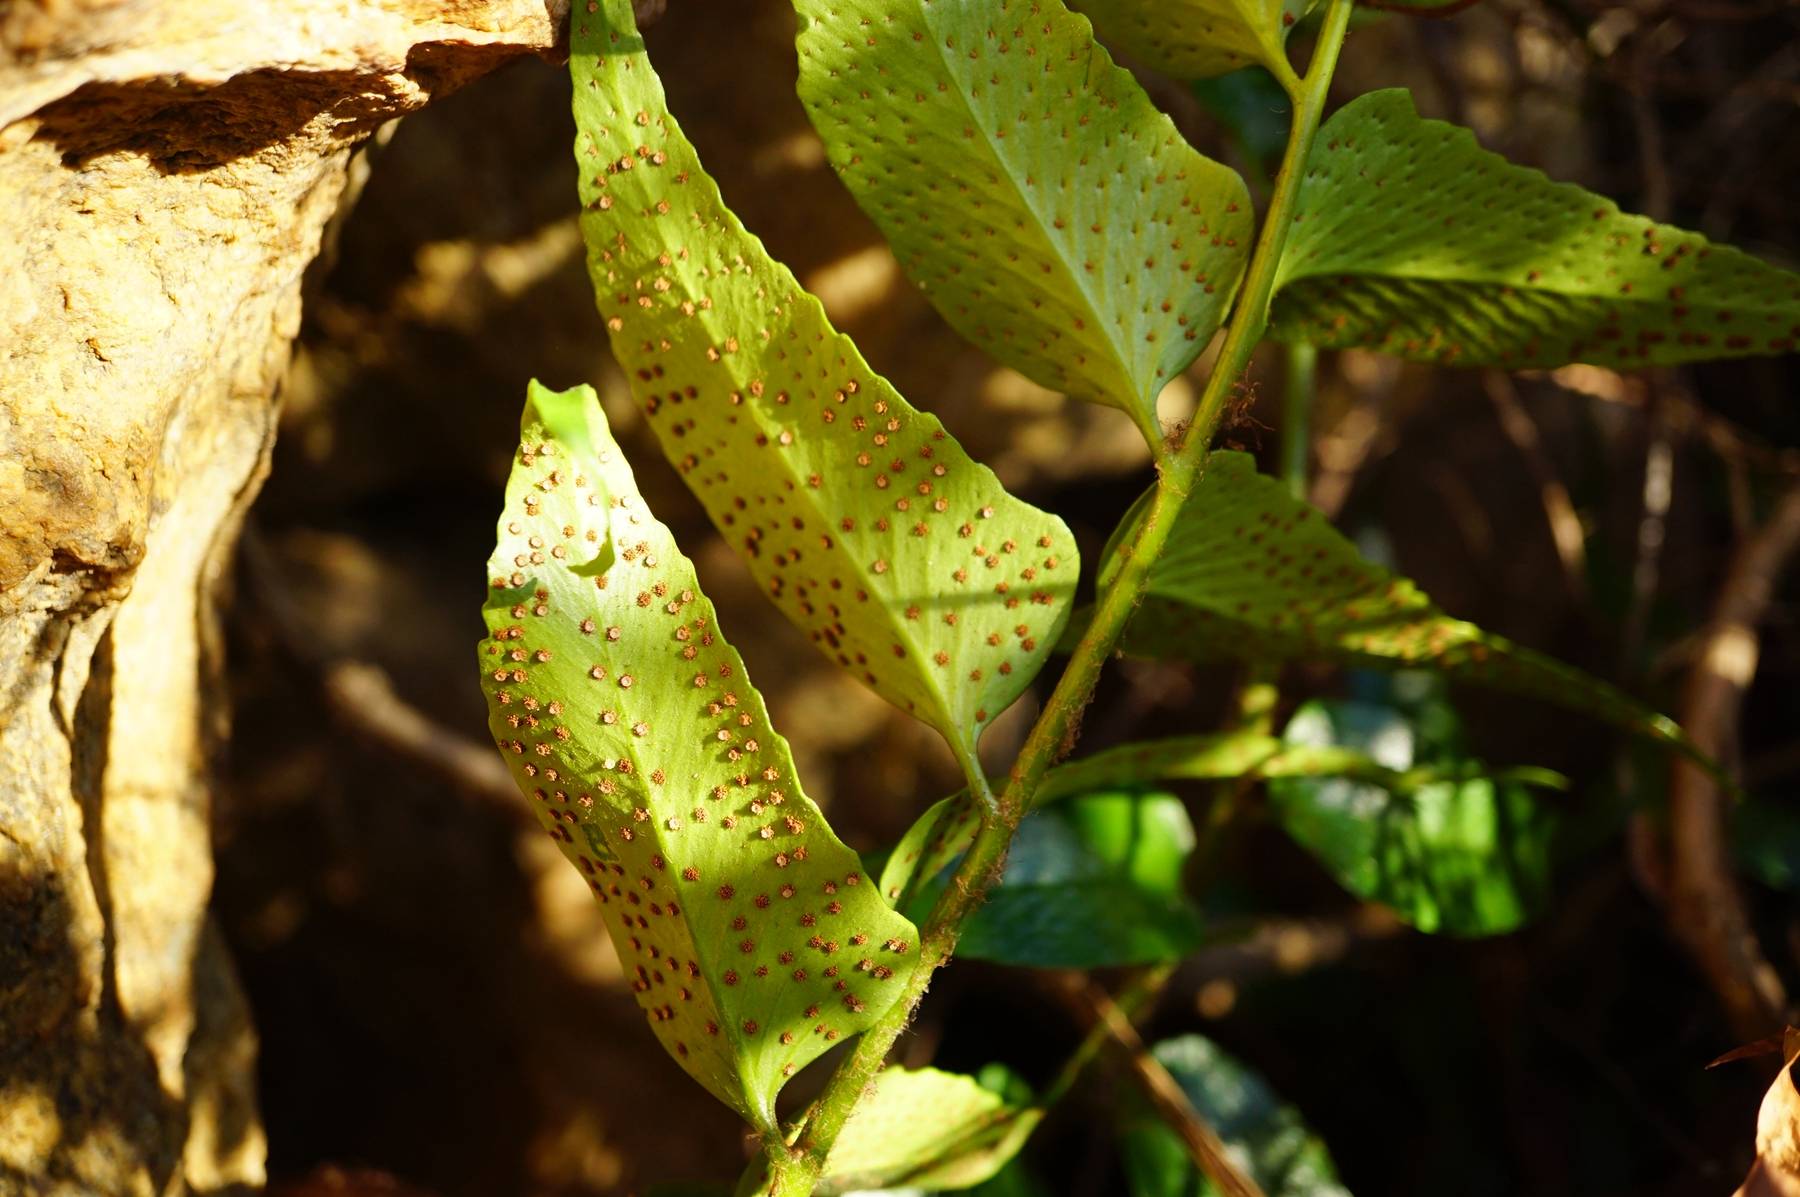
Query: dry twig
(1706, 911)
(1559, 509)
(362, 699)
(1202, 1142)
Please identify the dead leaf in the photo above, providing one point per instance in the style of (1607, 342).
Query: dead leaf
(1776, 1172)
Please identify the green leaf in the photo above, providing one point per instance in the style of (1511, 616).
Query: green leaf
(1462, 858)
(752, 935)
(928, 1129)
(1251, 572)
(1090, 882)
(1765, 839)
(1029, 187)
(1197, 39)
(1410, 238)
(867, 524)
(943, 833)
(1267, 1139)
(1254, 109)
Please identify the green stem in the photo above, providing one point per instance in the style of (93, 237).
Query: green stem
(1139, 992)
(1260, 693)
(1298, 389)
(795, 1173)
(1251, 316)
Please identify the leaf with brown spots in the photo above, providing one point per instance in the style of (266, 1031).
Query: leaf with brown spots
(1029, 187)
(1250, 572)
(1197, 39)
(905, 561)
(751, 934)
(1411, 239)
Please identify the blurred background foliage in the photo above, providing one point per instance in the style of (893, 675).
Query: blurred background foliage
(435, 995)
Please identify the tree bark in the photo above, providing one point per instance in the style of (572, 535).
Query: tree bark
(166, 172)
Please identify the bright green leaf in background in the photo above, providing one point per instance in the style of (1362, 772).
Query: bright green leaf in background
(1267, 1140)
(1255, 111)
(1468, 857)
(1091, 881)
(1197, 39)
(942, 834)
(1765, 839)
(868, 525)
(1410, 238)
(1251, 572)
(1028, 185)
(753, 938)
(930, 1130)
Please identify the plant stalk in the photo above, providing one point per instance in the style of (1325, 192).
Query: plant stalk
(1299, 388)
(1138, 995)
(795, 1171)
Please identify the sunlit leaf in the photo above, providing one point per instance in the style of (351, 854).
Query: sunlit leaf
(750, 932)
(1197, 39)
(904, 560)
(1776, 1172)
(928, 1129)
(1029, 186)
(1091, 881)
(1268, 1140)
(1251, 572)
(1410, 238)
(1465, 857)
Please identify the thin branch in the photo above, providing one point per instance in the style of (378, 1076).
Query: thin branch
(1137, 996)
(1706, 910)
(362, 699)
(1204, 1147)
(1559, 510)
(1683, 413)
(1646, 569)
(1286, 947)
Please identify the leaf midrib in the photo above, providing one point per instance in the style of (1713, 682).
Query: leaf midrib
(766, 423)
(576, 596)
(1121, 360)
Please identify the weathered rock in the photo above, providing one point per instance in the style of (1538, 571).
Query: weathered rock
(165, 175)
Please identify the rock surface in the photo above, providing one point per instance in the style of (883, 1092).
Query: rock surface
(166, 174)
